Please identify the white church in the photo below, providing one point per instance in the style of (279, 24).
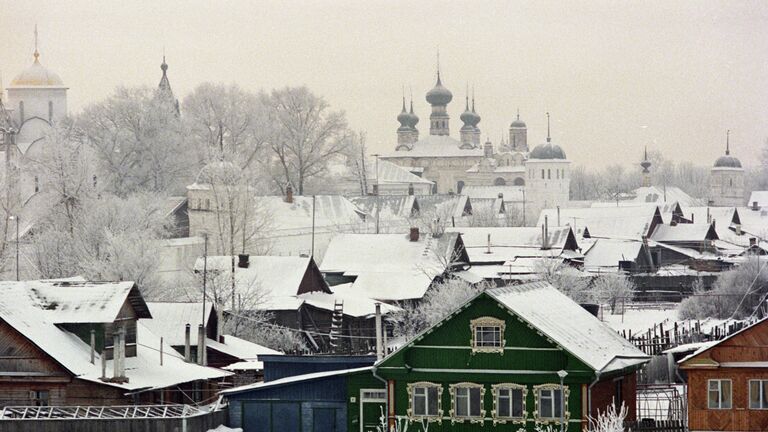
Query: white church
(538, 178)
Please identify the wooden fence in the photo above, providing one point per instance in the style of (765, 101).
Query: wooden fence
(657, 339)
(655, 426)
(197, 423)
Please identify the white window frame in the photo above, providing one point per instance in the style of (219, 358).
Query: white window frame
(496, 404)
(453, 389)
(411, 388)
(720, 394)
(484, 322)
(763, 396)
(551, 388)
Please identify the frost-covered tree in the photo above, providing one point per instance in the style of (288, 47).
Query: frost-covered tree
(566, 279)
(614, 289)
(139, 142)
(305, 135)
(736, 293)
(440, 300)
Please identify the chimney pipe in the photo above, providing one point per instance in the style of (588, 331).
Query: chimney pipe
(558, 215)
(738, 229)
(545, 240)
(752, 241)
(201, 345)
(501, 195)
(713, 222)
(692, 218)
(488, 250)
(375, 189)
(755, 207)
(379, 345)
(414, 235)
(93, 346)
(410, 189)
(289, 194)
(161, 350)
(187, 348)
(104, 364)
(243, 260)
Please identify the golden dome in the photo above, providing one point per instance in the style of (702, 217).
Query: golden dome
(37, 76)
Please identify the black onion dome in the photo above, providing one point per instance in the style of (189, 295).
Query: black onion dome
(547, 151)
(439, 95)
(727, 161)
(414, 119)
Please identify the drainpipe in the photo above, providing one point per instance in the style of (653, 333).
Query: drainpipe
(386, 402)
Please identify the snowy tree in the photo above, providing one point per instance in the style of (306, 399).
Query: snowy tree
(440, 300)
(613, 289)
(139, 142)
(615, 183)
(566, 279)
(305, 136)
(736, 293)
(609, 421)
(227, 119)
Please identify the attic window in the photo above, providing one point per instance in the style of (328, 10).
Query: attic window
(487, 335)
(424, 401)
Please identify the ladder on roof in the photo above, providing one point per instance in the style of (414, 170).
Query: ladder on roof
(336, 324)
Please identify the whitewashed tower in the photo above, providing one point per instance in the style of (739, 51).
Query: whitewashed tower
(549, 178)
(726, 181)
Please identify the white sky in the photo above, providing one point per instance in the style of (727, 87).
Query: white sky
(615, 75)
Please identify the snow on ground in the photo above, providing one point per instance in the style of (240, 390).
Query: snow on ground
(639, 319)
(223, 428)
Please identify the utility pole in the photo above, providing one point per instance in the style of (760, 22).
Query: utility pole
(16, 219)
(378, 209)
(205, 270)
(524, 207)
(312, 250)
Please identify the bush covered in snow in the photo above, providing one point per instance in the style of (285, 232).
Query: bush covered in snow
(736, 293)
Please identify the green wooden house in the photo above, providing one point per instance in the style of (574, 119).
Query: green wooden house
(508, 360)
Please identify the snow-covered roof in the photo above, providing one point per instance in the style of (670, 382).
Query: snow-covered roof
(389, 266)
(605, 254)
(389, 206)
(294, 379)
(669, 194)
(754, 222)
(436, 146)
(169, 319)
(510, 193)
(667, 209)
(355, 304)
(330, 211)
(390, 173)
(569, 325)
(444, 205)
(273, 281)
(684, 232)
(494, 206)
(724, 217)
(709, 346)
(508, 243)
(625, 222)
(29, 308)
(761, 197)
(172, 204)
(242, 349)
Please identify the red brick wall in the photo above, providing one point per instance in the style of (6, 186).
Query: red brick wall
(603, 394)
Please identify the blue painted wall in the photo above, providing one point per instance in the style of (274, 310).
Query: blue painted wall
(280, 366)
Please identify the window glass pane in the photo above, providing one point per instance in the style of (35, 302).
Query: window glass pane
(714, 397)
(432, 400)
(713, 385)
(764, 403)
(556, 395)
(754, 394)
(462, 402)
(474, 402)
(419, 405)
(517, 403)
(545, 403)
(725, 389)
(503, 404)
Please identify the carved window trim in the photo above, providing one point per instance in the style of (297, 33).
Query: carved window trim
(487, 321)
(549, 420)
(509, 386)
(430, 418)
(461, 419)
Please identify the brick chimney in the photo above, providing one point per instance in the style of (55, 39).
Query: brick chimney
(410, 188)
(243, 260)
(755, 207)
(289, 194)
(414, 234)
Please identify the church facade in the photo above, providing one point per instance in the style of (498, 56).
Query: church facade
(541, 176)
(726, 180)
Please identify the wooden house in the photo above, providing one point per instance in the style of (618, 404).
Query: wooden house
(728, 382)
(511, 359)
(83, 343)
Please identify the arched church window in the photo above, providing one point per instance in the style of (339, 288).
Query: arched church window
(499, 182)
(542, 174)
(549, 174)
(519, 181)
(50, 111)
(731, 182)
(21, 111)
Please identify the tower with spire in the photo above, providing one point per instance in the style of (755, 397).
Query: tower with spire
(475, 121)
(646, 165)
(518, 135)
(467, 131)
(726, 181)
(439, 97)
(164, 87)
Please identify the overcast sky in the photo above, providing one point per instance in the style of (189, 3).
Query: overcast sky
(615, 75)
